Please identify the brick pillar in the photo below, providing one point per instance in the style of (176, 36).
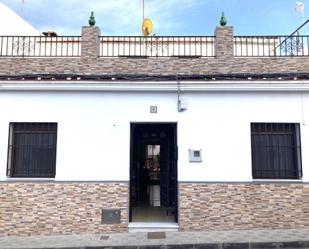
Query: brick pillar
(224, 42)
(90, 43)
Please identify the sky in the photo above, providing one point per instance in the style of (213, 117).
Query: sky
(169, 17)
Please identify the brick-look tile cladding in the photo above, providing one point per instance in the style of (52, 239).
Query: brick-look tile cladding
(60, 208)
(243, 206)
(75, 208)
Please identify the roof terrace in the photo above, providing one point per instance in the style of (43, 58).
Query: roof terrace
(91, 55)
(156, 46)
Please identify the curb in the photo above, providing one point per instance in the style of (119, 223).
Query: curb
(256, 245)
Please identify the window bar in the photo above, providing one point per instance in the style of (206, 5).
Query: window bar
(278, 172)
(285, 170)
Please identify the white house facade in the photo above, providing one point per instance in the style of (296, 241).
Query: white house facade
(93, 143)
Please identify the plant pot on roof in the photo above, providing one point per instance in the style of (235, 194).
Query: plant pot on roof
(223, 20)
(91, 19)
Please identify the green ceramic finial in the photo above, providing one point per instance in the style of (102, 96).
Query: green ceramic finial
(91, 19)
(223, 21)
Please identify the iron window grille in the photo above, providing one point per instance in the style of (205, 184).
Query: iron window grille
(276, 151)
(32, 150)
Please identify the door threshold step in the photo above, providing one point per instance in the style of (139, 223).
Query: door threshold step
(153, 227)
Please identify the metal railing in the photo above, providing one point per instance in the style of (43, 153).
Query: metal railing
(154, 46)
(40, 46)
(157, 46)
(271, 46)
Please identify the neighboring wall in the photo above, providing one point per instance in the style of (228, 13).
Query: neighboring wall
(90, 63)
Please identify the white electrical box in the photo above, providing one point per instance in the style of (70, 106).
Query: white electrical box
(182, 105)
(195, 155)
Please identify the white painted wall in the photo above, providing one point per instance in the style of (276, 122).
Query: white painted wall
(94, 129)
(12, 24)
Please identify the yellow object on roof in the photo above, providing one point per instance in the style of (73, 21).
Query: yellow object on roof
(147, 27)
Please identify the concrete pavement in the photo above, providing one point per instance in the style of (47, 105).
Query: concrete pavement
(251, 239)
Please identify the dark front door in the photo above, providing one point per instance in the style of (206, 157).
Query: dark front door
(153, 170)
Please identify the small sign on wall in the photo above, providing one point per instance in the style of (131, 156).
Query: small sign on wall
(195, 155)
(153, 109)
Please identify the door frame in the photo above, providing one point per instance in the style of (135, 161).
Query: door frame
(174, 126)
